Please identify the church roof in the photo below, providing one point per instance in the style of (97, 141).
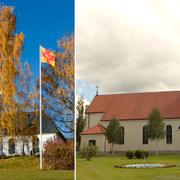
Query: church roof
(136, 106)
(97, 129)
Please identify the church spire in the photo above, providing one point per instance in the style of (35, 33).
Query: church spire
(97, 90)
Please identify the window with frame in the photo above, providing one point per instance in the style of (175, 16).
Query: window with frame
(168, 134)
(121, 135)
(35, 145)
(92, 141)
(11, 146)
(145, 134)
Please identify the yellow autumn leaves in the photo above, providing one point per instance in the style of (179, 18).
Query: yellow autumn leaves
(11, 45)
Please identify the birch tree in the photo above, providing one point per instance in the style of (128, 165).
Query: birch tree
(11, 45)
(58, 86)
(25, 125)
(156, 127)
(113, 132)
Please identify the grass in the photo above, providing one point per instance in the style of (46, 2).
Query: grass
(27, 168)
(102, 168)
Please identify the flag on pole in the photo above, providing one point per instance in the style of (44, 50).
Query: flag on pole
(48, 56)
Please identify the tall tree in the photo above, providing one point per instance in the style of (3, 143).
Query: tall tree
(25, 102)
(156, 126)
(80, 121)
(58, 86)
(11, 45)
(113, 132)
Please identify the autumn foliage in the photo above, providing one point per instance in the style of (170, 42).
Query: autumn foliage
(58, 86)
(16, 95)
(11, 46)
(59, 155)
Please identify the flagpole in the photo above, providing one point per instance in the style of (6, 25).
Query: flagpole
(40, 110)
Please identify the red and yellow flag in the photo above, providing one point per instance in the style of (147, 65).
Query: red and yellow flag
(48, 57)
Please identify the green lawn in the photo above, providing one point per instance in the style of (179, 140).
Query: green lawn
(27, 168)
(101, 168)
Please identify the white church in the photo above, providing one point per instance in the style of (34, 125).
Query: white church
(132, 110)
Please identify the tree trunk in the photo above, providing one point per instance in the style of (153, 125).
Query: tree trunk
(157, 152)
(113, 149)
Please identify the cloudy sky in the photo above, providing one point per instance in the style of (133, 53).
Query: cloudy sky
(127, 46)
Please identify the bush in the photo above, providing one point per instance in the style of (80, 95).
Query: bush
(3, 156)
(89, 151)
(145, 154)
(140, 154)
(59, 155)
(129, 154)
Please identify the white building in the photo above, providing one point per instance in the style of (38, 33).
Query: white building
(19, 145)
(132, 111)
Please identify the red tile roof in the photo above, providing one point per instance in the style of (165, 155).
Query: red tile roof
(134, 106)
(98, 129)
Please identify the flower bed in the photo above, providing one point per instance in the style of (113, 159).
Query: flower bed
(138, 166)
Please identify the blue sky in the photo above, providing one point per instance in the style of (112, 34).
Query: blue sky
(86, 89)
(42, 22)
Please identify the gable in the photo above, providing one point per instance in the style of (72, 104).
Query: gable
(97, 129)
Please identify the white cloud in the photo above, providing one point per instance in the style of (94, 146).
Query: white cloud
(127, 45)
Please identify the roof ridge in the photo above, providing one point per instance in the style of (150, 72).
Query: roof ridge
(146, 92)
(136, 105)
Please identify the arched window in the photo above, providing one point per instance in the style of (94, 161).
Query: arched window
(168, 134)
(92, 141)
(145, 134)
(121, 135)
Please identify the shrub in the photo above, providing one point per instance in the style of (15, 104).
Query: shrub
(129, 154)
(3, 156)
(140, 154)
(89, 151)
(145, 154)
(59, 155)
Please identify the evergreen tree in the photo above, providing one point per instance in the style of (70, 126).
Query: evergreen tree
(80, 122)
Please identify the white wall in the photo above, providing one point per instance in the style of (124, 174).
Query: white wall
(5, 146)
(100, 141)
(28, 145)
(47, 137)
(93, 118)
(133, 135)
(18, 145)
